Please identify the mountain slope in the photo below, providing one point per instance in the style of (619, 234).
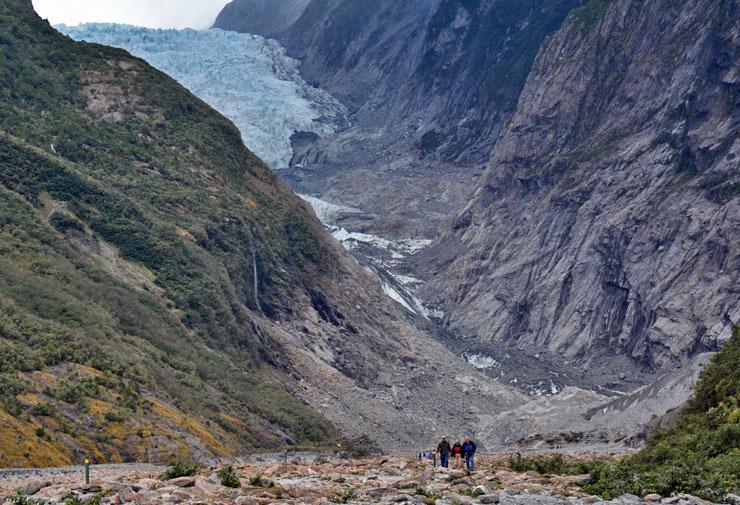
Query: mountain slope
(428, 84)
(700, 453)
(130, 212)
(268, 19)
(603, 238)
(163, 293)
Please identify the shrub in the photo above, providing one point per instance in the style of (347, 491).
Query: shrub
(227, 476)
(555, 464)
(114, 417)
(180, 469)
(42, 409)
(259, 481)
(345, 496)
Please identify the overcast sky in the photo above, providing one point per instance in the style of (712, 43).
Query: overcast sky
(150, 13)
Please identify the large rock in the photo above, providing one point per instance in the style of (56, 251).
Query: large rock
(489, 498)
(182, 482)
(34, 487)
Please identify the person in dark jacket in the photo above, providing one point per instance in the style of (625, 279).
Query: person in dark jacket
(469, 448)
(444, 449)
(457, 453)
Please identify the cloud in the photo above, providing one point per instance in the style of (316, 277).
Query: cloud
(149, 13)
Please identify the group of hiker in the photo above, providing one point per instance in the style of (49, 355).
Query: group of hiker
(459, 453)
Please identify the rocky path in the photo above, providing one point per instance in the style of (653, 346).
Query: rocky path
(390, 479)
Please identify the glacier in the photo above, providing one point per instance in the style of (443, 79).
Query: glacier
(247, 78)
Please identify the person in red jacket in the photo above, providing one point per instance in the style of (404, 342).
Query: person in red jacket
(457, 453)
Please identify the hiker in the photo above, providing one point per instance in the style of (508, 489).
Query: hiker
(457, 452)
(443, 449)
(469, 448)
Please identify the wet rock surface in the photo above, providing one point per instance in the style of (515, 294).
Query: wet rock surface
(390, 479)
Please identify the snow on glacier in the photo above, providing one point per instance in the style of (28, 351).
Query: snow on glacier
(247, 78)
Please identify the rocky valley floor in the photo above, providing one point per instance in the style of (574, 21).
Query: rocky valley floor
(311, 480)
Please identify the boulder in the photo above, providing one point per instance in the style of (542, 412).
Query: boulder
(182, 482)
(652, 497)
(591, 499)
(34, 487)
(481, 490)
(489, 498)
(629, 498)
(150, 484)
(245, 500)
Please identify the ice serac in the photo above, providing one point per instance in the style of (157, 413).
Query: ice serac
(429, 85)
(604, 238)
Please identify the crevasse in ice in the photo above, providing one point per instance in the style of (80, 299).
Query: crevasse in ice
(247, 78)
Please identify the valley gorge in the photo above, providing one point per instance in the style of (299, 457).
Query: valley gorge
(528, 221)
(599, 247)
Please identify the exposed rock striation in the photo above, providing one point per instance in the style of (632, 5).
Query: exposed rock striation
(605, 234)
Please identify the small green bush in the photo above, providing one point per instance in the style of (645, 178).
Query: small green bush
(259, 481)
(177, 469)
(114, 417)
(227, 476)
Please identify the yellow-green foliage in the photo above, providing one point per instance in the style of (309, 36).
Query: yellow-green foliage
(128, 214)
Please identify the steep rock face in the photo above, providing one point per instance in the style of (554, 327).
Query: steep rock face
(429, 85)
(268, 19)
(605, 234)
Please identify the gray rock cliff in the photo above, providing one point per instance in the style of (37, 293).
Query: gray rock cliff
(605, 234)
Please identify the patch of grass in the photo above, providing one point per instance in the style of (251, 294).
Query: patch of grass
(556, 464)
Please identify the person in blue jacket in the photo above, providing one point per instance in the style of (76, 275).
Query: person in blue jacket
(468, 450)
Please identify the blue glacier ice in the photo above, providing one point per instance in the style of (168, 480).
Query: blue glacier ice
(247, 78)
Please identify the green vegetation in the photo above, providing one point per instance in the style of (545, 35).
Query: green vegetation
(556, 464)
(504, 55)
(345, 496)
(699, 456)
(177, 469)
(227, 476)
(588, 16)
(128, 214)
(20, 499)
(427, 493)
(259, 481)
